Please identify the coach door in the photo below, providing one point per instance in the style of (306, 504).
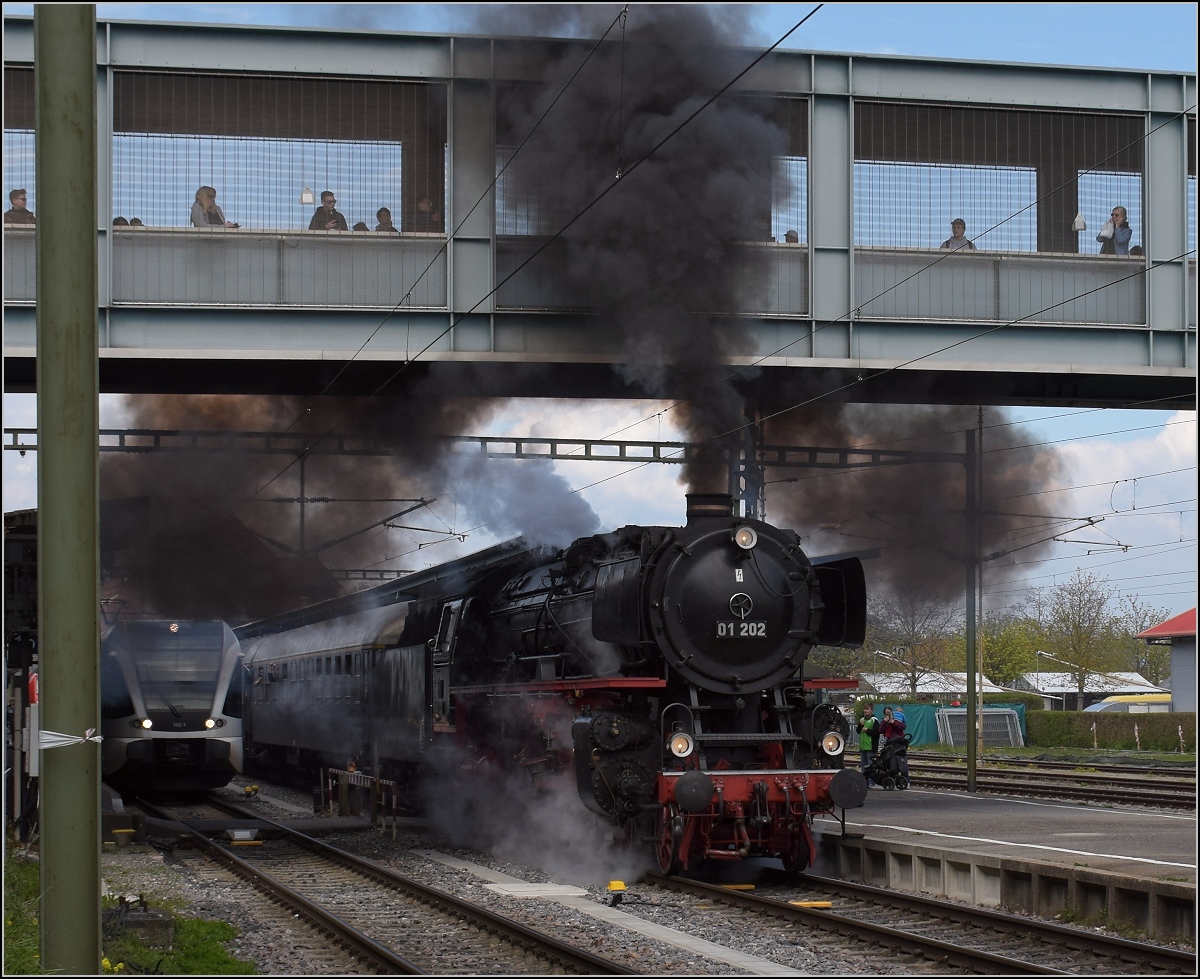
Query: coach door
(442, 657)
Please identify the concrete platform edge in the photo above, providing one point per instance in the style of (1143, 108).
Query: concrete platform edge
(1161, 909)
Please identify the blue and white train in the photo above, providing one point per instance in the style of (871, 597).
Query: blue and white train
(170, 705)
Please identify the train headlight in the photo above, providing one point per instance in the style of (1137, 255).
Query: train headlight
(745, 538)
(209, 723)
(681, 744)
(147, 723)
(833, 743)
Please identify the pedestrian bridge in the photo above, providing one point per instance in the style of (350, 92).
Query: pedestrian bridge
(835, 271)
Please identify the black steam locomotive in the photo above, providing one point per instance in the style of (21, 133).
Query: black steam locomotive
(659, 667)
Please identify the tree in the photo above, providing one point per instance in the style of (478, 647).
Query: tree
(1075, 625)
(1151, 660)
(1010, 645)
(918, 634)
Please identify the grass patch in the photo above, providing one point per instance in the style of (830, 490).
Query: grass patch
(22, 883)
(198, 950)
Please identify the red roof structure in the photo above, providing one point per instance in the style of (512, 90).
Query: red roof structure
(1183, 624)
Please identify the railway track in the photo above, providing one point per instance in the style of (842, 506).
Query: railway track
(1153, 771)
(389, 922)
(949, 936)
(1057, 780)
(1079, 786)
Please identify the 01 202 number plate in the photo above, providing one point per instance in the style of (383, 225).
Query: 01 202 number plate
(741, 630)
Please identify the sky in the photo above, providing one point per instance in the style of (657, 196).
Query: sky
(1134, 468)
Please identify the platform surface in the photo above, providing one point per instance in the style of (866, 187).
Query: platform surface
(1137, 842)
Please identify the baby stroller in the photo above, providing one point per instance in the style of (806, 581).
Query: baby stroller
(890, 766)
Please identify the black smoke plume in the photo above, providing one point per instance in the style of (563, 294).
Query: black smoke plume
(217, 534)
(915, 513)
(659, 258)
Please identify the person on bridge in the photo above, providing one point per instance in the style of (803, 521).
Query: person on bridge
(1115, 236)
(958, 236)
(384, 216)
(428, 217)
(18, 213)
(206, 213)
(327, 218)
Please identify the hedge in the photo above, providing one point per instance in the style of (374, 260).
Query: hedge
(1073, 729)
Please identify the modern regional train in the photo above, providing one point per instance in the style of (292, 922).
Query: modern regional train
(171, 705)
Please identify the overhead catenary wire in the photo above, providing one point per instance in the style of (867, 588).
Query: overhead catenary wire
(858, 308)
(579, 214)
(433, 261)
(908, 363)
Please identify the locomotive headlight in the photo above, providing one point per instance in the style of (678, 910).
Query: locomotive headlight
(681, 744)
(147, 723)
(833, 743)
(745, 538)
(209, 723)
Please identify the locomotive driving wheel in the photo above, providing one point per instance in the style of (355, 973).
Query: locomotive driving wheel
(670, 832)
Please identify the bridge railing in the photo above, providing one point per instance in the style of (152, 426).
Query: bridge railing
(1034, 287)
(771, 277)
(239, 267)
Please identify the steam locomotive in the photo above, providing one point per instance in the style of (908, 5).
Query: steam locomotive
(659, 668)
(170, 705)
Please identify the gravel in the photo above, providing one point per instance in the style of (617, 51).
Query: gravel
(276, 943)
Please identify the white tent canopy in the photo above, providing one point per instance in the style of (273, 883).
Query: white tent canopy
(1094, 683)
(940, 684)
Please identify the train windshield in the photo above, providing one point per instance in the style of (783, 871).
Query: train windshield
(177, 669)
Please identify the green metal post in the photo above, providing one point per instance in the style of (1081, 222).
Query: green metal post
(68, 513)
(969, 558)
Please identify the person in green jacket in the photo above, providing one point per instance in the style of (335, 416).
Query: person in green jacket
(868, 737)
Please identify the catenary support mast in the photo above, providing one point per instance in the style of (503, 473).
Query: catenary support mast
(68, 537)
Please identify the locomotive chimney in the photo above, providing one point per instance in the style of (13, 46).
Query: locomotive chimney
(704, 506)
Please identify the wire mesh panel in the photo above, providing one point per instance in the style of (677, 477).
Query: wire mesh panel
(309, 191)
(533, 204)
(938, 187)
(259, 182)
(1191, 220)
(261, 140)
(18, 134)
(20, 243)
(1001, 727)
